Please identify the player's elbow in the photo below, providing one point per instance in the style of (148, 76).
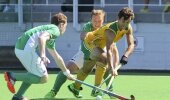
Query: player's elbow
(133, 46)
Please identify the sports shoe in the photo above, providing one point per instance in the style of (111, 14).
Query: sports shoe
(17, 98)
(144, 10)
(50, 94)
(10, 82)
(95, 93)
(75, 92)
(166, 8)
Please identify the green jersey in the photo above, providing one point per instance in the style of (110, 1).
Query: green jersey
(29, 40)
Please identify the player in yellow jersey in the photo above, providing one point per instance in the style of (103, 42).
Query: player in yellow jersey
(93, 49)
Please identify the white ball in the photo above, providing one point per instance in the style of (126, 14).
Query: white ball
(99, 97)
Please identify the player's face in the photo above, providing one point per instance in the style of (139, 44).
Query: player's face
(125, 23)
(97, 21)
(62, 27)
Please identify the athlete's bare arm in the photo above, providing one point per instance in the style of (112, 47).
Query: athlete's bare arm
(42, 43)
(130, 42)
(110, 45)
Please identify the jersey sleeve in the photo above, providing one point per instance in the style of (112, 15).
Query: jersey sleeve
(50, 44)
(54, 33)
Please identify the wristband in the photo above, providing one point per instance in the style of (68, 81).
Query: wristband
(66, 73)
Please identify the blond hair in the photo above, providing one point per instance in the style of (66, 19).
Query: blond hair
(97, 12)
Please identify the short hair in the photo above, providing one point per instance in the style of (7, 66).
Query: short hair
(126, 12)
(97, 12)
(58, 18)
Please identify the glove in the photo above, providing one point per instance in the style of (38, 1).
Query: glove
(69, 76)
(124, 60)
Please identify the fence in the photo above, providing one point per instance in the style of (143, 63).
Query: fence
(52, 4)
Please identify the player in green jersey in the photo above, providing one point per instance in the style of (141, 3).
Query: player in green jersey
(37, 39)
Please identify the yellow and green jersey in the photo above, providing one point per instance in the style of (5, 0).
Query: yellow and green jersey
(97, 38)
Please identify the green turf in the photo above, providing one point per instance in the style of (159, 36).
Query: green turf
(143, 87)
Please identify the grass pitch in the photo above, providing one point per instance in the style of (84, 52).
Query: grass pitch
(143, 86)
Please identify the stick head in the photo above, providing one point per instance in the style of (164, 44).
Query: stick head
(132, 97)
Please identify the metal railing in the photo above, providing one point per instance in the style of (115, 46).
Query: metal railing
(75, 5)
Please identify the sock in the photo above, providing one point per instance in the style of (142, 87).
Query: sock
(26, 77)
(84, 71)
(60, 80)
(100, 71)
(22, 89)
(107, 81)
(80, 76)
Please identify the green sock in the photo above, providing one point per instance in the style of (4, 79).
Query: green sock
(22, 89)
(26, 77)
(60, 80)
(107, 81)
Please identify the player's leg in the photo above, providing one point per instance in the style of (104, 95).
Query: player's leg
(145, 9)
(37, 72)
(107, 81)
(101, 66)
(60, 80)
(167, 6)
(19, 95)
(107, 73)
(73, 65)
(82, 73)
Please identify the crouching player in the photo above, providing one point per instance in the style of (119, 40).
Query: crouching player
(37, 38)
(93, 49)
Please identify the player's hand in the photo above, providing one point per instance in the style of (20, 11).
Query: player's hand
(82, 36)
(45, 60)
(124, 60)
(114, 72)
(69, 76)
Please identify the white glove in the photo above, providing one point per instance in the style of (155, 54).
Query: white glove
(69, 76)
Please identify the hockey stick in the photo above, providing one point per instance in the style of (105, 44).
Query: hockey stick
(105, 80)
(106, 91)
(112, 78)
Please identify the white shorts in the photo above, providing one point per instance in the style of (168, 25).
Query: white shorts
(31, 62)
(78, 59)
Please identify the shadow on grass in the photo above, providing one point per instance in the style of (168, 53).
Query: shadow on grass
(59, 99)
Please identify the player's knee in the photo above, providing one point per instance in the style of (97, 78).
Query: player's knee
(44, 79)
(96, 53)
(103, 59)
(84, 73)
(88, 66)
(72, 67)
(101, 64)
(87, 71)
